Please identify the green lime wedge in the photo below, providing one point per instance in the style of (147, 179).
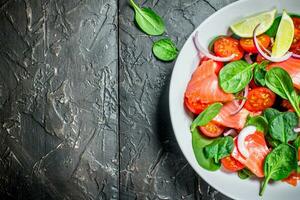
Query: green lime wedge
(245, 27)
(284, 36)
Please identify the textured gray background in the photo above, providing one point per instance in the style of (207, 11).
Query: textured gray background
(84, 104)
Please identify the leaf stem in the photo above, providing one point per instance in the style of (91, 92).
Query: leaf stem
(264, 185)
(133, 4)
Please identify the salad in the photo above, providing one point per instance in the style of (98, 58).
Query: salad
(244, 95)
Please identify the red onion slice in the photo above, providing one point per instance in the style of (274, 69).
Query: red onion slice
(232, 132)
(202, 50)
(263, 54)
(248, 58)
(249, 130)
(296, 55)
(297, 130)
(246, 91)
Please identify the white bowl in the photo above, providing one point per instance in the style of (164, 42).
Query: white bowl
(217, 24)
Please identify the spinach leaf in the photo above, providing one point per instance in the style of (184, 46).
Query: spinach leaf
(282, 127)
(259, 122)
(272, 31)
(279, 164)
(219, 148)
(271, 113)
(244, 173)
(297, 142)
(148, 20)
(198, 143)
(207, 115)
(235, 76)
(165, 49)
(272, 142)
(280, 82)
(260, 73)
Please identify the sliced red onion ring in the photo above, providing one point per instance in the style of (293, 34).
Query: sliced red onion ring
(297, 130)
(249, 130)
(246, 90)
(232, 132)
(248, 58)
(296, 55)
(263, 54)
(202, 50)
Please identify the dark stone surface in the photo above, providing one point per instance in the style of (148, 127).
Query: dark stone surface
(152, 165)
(58, 99)
(84, 104)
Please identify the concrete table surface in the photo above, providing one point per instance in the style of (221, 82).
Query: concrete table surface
(84, 103)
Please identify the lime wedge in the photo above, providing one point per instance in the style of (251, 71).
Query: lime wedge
(245, 27)
(284, 37)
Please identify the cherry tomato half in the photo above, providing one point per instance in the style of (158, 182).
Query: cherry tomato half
(248, 45)
(226, 46)
(212, 130)
(292, 179)
(259, 99)
(296, 21)
(259, 58)
(231, 164)
(195, 107)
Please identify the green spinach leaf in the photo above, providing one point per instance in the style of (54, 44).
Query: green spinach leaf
(280, 82)
(279, 164)
(148, 20)
(198, 143)
(272, 31)
(235, 76)
(260, 73)
(165, 49)
(282, 127)
(245, 173)
(259, 122)
(272, 142)
(219, 148)
(270, 114)
(207, 115)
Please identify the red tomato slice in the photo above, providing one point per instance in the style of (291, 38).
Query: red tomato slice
(258, 150)
(231, 164)
(226, 46)
(212, 130)
(259, 99)
(292, 179)
(296, 21)
(248, 45)
(195, 107)
(295, 47)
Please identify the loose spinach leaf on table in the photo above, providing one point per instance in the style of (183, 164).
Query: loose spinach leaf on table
(279, 164)
(235, 76)
(259, 122)
(207, 115)
(219, 148)
(148, 20)
(165, 49)
(280, 82)
(244, 173)
(260, 73)
(282, 127)
(198, 143)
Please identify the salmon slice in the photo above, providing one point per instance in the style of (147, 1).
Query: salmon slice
(292, 66)
(225, 118)
(204, 87)
(258, 150)
(292, 179)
